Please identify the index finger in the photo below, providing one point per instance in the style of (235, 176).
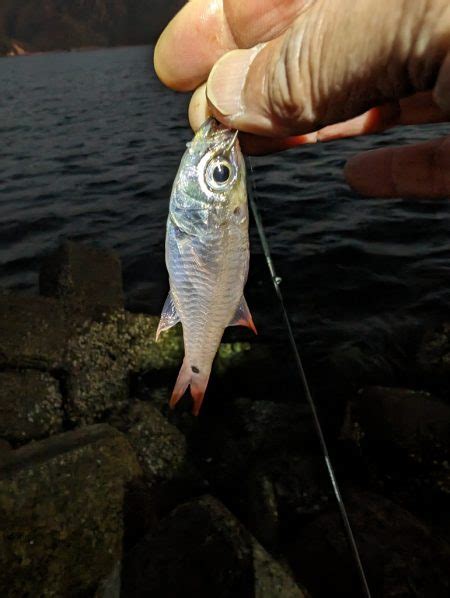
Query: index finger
(204, 30)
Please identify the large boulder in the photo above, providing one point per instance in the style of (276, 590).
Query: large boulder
(30, 405)
(400, 555)
(163, 454)
(61, 507)
(83, 276)
(433, 359)
(262, 458)
(202, 550)
(104, 353)
(34, 332)
(404, 437)
(409, 420)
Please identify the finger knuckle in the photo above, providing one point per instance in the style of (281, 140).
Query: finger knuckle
(288, 83)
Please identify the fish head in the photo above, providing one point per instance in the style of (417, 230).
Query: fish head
(211, 179)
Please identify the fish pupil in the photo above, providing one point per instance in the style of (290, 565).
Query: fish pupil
(221, 173)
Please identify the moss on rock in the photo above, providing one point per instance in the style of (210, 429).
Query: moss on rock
(103, 355)
(30, 405)
(61, 504)
(34, 332)
(208, 553)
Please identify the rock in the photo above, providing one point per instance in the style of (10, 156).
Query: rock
(30, 405)
(433, 359)
(405, 434)
(110, 586)
(87, 277)
(350, 366)
(34, 332)
(401, 556)
(409, 420)
(262, 458)
(163, 455)
(257, 366)
(61, 507)
(202, 550)
(39, 333)
(5, 450)
(104, 354)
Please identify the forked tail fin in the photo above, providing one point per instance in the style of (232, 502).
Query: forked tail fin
(198, 381)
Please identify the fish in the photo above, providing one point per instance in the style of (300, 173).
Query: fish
(207, 253)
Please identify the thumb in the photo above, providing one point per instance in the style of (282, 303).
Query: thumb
(337, 60)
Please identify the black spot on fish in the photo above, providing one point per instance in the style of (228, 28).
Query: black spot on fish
(195, 369)
(237, 211)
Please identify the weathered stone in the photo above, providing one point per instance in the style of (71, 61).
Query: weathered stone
(261, 457)
(410, 420)
(202, 550)
(61, 508)
(163, 454)
(405, 434)
(160, 447)
(433, 359)
(30, 405)
(263, 513)
(110, 586)
(280, 494)
(105, 353)
(5, 450)
(400, 555)
(33, 332)
(247, 433)
(350, 366)
(83, 275)
(257, 366)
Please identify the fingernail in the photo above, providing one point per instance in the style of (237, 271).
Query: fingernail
(198, 108)
(227, 80)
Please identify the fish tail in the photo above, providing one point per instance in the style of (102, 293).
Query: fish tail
(198, 382)
(198, 389)
(183, 381)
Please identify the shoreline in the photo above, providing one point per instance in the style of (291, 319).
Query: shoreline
(19, 50)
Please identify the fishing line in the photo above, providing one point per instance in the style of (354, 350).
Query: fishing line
(332, 475)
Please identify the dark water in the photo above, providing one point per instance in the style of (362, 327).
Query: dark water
(90, 143)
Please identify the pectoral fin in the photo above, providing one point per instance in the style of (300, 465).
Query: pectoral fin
(243, 317)
(169, 316)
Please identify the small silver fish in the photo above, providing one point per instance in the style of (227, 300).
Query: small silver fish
(207, 253)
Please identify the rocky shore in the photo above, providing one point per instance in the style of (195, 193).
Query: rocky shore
(105, 493)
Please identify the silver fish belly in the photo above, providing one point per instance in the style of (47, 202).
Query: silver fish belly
(207, 253)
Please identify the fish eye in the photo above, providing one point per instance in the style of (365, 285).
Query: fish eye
(219, 173)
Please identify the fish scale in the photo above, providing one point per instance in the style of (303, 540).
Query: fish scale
(207, 253)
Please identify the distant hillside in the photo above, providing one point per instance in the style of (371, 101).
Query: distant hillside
(42, 25)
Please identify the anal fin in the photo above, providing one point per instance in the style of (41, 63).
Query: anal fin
(243, 317)
(169, 316)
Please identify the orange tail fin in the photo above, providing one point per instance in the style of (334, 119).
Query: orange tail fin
(198, 381)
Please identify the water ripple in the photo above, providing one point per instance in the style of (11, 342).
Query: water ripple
(92, 142)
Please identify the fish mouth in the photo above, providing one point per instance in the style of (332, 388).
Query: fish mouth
(215, 133)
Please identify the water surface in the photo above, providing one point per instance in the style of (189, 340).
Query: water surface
(91, 142)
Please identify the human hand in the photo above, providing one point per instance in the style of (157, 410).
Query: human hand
(296, 71)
